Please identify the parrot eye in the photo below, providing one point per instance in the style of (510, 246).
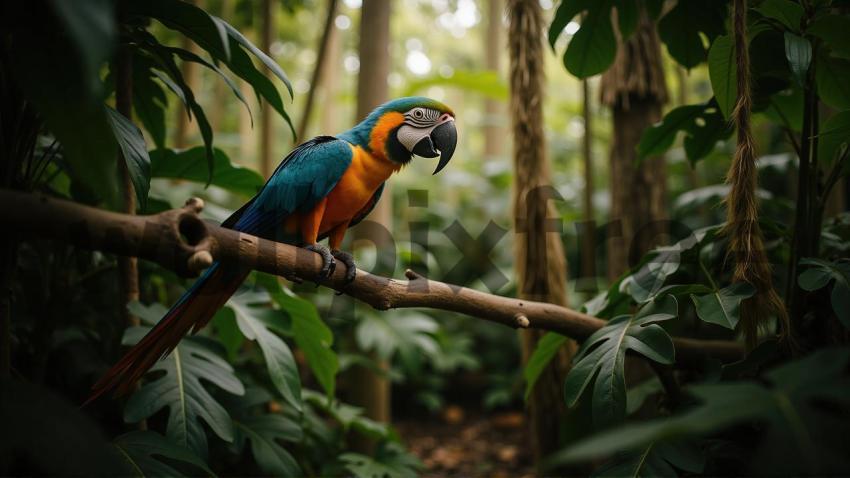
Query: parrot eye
(418, 113)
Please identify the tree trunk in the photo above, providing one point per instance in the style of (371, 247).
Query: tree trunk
(635, 90)
(268, 32)
(371, 390)
(127, 266)
(493, 109)
(539, 256)
(588, 238)
(318, 70)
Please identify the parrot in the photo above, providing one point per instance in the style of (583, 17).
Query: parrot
(320, 189)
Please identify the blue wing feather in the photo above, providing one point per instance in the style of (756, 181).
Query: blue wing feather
(301, 180)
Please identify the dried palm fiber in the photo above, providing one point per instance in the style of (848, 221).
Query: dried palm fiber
(746, 246)
(539, 256)
(635, 90)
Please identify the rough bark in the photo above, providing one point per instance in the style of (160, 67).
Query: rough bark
(635, 90)
(319, 70)
(588, 238)
(539, 257)
(372, 390)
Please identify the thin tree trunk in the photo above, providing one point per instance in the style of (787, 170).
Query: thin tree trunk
(372, 390)
(493, 109)
(268, 32)
(588, 242)
(319, 70)
(635, 90)
(127, 266)
(539, 256)
(330, 121)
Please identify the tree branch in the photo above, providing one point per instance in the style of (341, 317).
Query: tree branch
(180, 241)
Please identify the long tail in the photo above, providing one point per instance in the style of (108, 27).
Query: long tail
(194, 309)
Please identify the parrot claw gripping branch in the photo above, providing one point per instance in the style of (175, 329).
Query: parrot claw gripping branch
(323, 187)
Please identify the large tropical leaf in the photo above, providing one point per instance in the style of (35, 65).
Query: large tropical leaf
(722, 73)
(681, 27)
(804, 405)
(149, 103)
(149, 454)
(602, 357)
(820, 273)
(264, 432)
(593, 47)
(405, 332)
(654, 460)
(191, 165)
(390, 461)
(256, 320)
(347, 416)
(176, 385)
(703, 126)
(722, 307)
(135, 153)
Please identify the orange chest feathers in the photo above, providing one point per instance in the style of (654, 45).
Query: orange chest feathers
(354, 190)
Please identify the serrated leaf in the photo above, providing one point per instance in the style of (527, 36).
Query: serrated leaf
(722, 307)
(135, 153)
(593, 47)
(179, 389)
(819, 274)
(546, 349)
(602, 356)
(798, 51)
(789, 14)
(723, 74)
(144, 451)
(254, 323)
(191, 165)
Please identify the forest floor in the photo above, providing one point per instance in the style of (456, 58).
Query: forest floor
(467, 443)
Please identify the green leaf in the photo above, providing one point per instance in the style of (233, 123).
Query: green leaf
(187, 19)
(788, 13)
(819, 274)
(834, 134)
(566, 11)
(348, 417)
(265, 59)
(191, 165)
(255, 323)
(680, 29)
(178, 387)
(602, 356)
(543, 353)
(798, 51)
(135, 153)
(315, 339)
(407, 332)
(390, 461)
(703, 125)
(593, 47)
(791, 406)
(656, 459)
(486, 83)
(834, 30)
(145, 450)
(830, 76)
(722, 73)
(62, 82)
(264, 431)
(149, 103)
(722, 307)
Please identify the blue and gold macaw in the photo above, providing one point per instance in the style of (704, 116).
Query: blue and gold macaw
(319, 190)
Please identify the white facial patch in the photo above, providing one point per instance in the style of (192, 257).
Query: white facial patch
(410, 135)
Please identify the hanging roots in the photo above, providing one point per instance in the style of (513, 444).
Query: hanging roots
(746, 246)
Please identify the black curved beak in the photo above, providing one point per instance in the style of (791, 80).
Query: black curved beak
(444, 138)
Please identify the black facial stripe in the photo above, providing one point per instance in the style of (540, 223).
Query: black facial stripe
(421, 117)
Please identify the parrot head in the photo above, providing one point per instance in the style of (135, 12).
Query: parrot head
(412, 126)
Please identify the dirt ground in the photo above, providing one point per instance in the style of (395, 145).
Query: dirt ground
(468, 444)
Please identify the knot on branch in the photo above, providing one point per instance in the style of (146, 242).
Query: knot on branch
(183, 242)
(521, 321)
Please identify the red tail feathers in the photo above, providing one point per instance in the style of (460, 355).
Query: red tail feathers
(194, 309)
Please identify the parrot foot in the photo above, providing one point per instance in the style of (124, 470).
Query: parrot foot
(347, 259)
(328, 262)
